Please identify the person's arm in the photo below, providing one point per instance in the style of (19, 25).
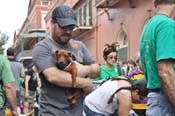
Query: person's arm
(167, 77)
(92, 70)
(38, 80)
(8, 84)
(22, 73)
(11, 96)
(124, 104)
(26, 82)
(62, 78)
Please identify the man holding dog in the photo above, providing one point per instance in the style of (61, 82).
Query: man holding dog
(157, 46)
(53, 97)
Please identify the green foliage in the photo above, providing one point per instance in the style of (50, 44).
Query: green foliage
(3, 39)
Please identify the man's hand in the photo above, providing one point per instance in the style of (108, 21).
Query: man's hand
(82, 70)
(85, 84)
(14, 113)
(89, 86)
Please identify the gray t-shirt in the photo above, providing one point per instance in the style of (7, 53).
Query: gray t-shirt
(53, 99)
(16, 70)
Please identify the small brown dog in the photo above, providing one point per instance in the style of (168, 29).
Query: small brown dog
(65, 62)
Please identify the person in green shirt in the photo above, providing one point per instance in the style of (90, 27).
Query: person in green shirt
(110, 68)
(7, 87)
(157, 50)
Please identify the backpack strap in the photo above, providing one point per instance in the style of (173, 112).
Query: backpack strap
(112, 97)
(125, 88)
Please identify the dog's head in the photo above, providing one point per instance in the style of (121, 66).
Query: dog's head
(63, 58)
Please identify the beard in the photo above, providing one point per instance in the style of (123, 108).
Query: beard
(63, 40)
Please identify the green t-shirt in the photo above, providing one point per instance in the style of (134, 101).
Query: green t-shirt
(107, 73)
(6, 76)
(157, 42)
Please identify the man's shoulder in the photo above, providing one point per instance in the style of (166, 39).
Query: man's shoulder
(44, 41)
(163, 20)
(16, 62)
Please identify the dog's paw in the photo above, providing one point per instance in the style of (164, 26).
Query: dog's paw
(73, 101)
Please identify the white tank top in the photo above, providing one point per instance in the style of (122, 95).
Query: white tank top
(97, 100)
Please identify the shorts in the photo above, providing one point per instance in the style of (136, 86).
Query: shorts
(158, 105)
(31, 97)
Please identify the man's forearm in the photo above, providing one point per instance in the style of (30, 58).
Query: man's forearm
(62, 78)
(167, 78)
(11, 95)
(168, 86)
(92, 70)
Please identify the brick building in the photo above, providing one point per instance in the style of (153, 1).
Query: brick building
(108, 21)
(100, 22)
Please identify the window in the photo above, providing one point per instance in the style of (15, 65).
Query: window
(84, 14)
(43, 24)
(97, 1)
(44, 3)
(123, 41)
(79, 15)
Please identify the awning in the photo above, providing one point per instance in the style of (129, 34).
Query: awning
(81, 29)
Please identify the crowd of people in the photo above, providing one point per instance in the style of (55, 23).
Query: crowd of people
(142, 86)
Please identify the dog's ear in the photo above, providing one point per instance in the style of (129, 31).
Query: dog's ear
(72, 56)
(54, 54)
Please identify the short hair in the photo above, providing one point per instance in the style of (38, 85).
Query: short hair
(164, 2)
(10, 52)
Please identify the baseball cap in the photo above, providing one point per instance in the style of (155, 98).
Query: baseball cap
(64, 16)
(140, 84)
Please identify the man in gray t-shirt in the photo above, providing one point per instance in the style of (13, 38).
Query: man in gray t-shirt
(53, 98)
(17, 70)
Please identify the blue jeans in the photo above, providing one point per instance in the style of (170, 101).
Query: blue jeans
(89, 112)
(158, 105)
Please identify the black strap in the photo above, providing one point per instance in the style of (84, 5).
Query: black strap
(112, 97)
(126, 88)
(115, 78)
(104, 81)
(118, 79)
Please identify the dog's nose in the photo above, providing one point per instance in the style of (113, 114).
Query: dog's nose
(61, 63)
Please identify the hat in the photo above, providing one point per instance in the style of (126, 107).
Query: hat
(64, 16)
(140, 84)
